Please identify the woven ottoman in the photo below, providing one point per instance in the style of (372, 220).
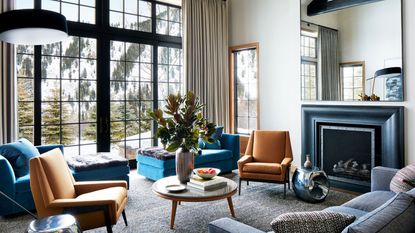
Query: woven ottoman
(100, 166)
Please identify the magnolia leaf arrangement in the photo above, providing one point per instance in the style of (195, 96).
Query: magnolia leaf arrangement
(184, 124)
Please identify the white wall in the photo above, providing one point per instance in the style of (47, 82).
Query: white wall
(275, 25)
(369, 33)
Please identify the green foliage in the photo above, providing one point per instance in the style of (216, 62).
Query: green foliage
(51, 116)
(184, 125)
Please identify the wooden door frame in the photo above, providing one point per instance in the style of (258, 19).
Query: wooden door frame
(231, 61)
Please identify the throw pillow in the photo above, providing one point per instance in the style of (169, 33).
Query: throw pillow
(396, 215)
(314, 221)
(402, 180)
(216, 136)
(18, 154)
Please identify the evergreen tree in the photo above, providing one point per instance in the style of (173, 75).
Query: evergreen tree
(51, 117)
(90, 132)
(25, 110)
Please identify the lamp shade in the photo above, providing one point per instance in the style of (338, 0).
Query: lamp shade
(388, 72)
(32, 27)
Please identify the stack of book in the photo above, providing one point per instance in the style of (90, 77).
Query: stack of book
(216, 182)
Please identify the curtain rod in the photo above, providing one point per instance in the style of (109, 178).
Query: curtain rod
(303, 21)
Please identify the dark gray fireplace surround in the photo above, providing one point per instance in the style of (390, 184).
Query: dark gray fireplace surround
(387, 120)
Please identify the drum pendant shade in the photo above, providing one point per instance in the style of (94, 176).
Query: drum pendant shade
(32, 27)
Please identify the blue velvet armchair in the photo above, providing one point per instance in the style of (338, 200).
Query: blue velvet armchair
(17, 188)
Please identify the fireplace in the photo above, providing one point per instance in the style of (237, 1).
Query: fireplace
(348, 153)
(348, 141)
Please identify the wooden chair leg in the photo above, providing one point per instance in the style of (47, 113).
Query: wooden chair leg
(247, 182)
(124, 216)
(239, 187)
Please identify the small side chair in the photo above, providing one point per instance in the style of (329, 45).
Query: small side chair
(93, 203)
(267, 158)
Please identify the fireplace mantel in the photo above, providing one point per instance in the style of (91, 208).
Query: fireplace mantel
(389, 118)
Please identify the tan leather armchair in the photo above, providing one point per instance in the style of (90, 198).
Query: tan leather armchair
(267, 158)
(54, 190)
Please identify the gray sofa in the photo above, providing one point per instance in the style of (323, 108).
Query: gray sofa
(360, 206)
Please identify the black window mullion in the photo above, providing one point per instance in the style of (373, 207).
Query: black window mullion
(103, 95)
(37, 95)
(155, 89)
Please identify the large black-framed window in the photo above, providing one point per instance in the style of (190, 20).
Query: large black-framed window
(91, 91)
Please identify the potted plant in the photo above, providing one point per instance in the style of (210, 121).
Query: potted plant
(181, 129)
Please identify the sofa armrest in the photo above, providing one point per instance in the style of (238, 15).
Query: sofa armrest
(227, 225)
(45, 148)
(381, 178)
(7, 177)
(231, 142)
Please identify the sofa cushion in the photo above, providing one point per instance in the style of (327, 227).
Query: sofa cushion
(396, 215)
(227, 225)
(19, 154)
(23, 184)
(370, 201)
(314, 221)
(216, 137)
(407, 174)
(268, 168)
(346, 210)
(213, 155)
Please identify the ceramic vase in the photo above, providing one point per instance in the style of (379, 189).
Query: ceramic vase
(184, 165)
(307, 163)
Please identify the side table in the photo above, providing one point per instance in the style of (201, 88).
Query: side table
(311, 185)
(56, 223)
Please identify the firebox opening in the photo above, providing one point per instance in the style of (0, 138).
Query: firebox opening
(347, 153)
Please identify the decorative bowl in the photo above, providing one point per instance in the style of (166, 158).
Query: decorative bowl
(206, 172)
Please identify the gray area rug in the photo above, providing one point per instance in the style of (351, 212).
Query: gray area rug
(258, 204)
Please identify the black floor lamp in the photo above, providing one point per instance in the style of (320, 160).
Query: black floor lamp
(20, 206)
(31, 27)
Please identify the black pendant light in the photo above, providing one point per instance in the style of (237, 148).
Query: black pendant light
(32, 27)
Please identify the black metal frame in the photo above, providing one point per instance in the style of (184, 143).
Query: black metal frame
(104, 33)
(285, 182)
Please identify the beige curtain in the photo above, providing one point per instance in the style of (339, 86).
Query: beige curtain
(206, 56)
(8, 114)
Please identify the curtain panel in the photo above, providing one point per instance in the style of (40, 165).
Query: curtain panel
(206, 56)
(329, 64)
(8, 114)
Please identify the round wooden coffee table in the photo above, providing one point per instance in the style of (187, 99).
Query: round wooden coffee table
(193, 195)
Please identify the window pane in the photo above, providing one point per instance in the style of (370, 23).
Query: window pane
(245, 89)
(116, 5)
(87, 15)
(67, 79)
(168, 20)
(353, 80)
(132, 75)
(70, 11)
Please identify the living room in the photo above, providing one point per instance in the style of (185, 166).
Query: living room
(182, 45)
